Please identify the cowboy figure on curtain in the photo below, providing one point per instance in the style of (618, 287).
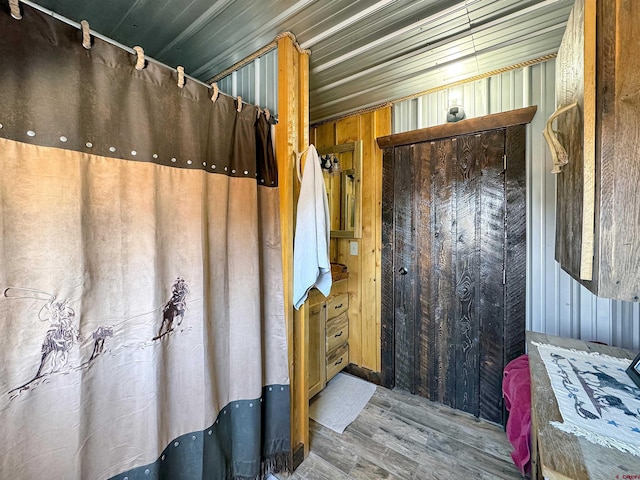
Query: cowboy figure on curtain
(62, 335)
(174, 308)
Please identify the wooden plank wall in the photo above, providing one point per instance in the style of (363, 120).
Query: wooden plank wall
(364, 282)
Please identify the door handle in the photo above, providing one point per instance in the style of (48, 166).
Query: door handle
(403, 271)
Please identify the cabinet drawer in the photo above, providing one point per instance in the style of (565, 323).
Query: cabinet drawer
(337, 360)
(336, 305)
(337, 331)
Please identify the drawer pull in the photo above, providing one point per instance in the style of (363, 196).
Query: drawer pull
(338, 306)
(338, 334)
(338, 362)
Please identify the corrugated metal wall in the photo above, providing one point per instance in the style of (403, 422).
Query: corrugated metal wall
(556, 304)
(256, 82)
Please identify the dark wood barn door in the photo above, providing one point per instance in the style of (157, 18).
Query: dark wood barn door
(453, 267)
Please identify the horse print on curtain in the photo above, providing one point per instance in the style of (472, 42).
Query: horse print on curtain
(141, 297)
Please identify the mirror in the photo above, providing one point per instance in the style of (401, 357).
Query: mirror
(342, 169)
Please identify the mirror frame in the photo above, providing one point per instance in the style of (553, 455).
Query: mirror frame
(356, 171)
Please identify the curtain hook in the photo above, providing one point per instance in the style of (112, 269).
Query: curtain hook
(267, 113)
(140, 61)
(14, 5)
(216, 92)
(239, 103)
(180, 70)
(258, 112)
(86, 35)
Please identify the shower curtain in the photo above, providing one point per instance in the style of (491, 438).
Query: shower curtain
(141, 298)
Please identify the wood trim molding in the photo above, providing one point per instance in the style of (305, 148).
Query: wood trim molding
(297, 456)
(464, 127)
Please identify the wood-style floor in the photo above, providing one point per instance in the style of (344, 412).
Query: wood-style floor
(403, 436)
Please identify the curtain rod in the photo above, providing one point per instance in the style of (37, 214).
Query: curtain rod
(111, 41)
(68, 21)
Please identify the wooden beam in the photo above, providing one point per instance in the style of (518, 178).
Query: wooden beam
(347, 131)
(589, 141)
(368, 244)
(301, 409)
(464, 127)
(290, 135)
(382, 127)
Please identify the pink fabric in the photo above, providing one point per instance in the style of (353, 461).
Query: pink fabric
(516, 388)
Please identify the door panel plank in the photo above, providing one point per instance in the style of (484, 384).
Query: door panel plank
(516, 255)
(443, 154)
(492, 248)
(467, 273)
(387, 340)
(424, 239)
(404, 284)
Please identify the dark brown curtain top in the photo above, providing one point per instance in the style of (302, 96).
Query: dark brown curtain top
(54, 92)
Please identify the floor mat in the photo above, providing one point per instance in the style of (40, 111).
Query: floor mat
(341, 401)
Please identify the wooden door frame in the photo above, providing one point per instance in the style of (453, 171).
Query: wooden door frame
(515, 183)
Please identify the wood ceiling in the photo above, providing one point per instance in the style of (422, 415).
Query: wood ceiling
(364, 52)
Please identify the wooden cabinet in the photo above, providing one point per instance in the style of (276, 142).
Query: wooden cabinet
(337, 334)
(328, 335)
(596, 148)
(317, 352)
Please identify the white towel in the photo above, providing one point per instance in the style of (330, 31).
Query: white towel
(311, 266)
